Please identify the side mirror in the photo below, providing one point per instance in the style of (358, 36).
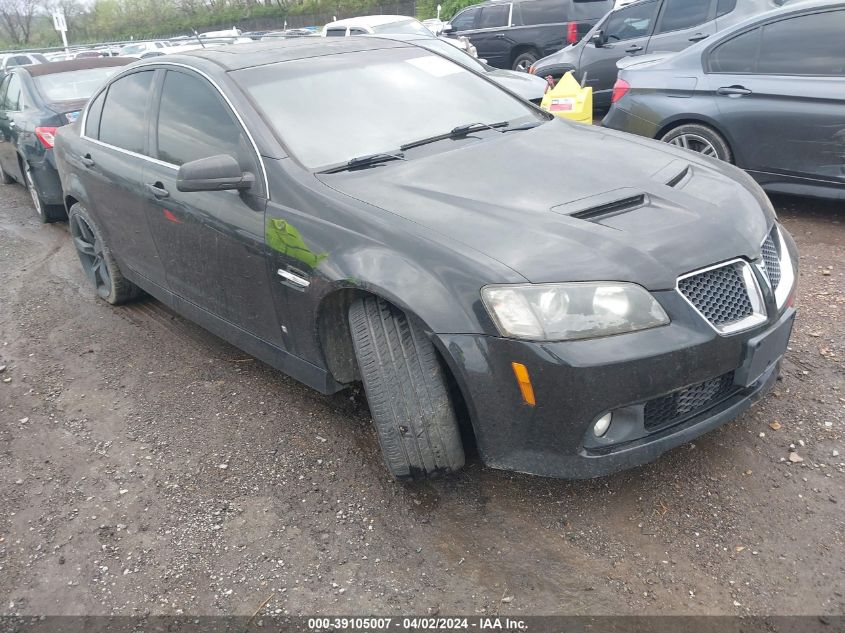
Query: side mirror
(215, 173)
(598, 39)
(447, 28)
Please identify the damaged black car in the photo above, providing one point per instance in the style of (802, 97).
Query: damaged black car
(360, 210)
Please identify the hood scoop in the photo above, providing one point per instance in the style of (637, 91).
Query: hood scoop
(676, 174)
(603, 206)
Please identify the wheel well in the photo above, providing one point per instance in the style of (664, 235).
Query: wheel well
(339, 354)
(675, 124)
(523, 48)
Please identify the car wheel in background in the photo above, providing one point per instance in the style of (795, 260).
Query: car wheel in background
(46, 212)
(5, 178)
(407, 391)
(699, 138)
(525, 60)
(97, 261)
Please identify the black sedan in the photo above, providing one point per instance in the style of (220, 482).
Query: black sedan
(34, 102)
(767, 95)
(357, 209)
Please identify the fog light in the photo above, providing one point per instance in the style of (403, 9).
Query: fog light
(602, 424)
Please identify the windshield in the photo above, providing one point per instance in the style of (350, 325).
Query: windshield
(73, 85)
(330, 109)
(411, 27)
(452, 52)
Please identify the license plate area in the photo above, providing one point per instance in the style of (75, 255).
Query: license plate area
(763, 351)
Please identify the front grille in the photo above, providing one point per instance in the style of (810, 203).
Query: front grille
(688, 401)
(719, 294)
(771, 259)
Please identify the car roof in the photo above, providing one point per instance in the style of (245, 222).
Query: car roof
(370, 20)
(52, 68)
(271, 52)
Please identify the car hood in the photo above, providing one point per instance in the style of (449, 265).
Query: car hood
(529, 87)
(568, 202)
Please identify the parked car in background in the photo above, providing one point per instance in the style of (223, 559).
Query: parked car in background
(440, 254)
(527, 86)
(643, 27)
(388, 24)
(20, 59)
(35, 101)
(515, 34)
(139, 48)
(767, 95)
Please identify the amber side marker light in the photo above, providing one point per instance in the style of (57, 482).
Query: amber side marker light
(524, 382)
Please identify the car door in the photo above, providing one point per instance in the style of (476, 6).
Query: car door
(9, 121)
(212, 243)
(115, 131)
(490, 36)
(781, 97)
(625, 32)
(682, 23)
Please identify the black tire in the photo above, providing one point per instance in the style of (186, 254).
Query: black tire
(5, 178)
(524, 60)
(697, 137)
(97, 260)
(407, 392)
(46, 212)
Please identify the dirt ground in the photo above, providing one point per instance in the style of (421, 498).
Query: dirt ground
(149, 468)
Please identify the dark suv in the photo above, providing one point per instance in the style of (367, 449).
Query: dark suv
(516, 34)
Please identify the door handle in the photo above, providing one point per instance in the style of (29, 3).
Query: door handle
(636, 48)
(87, 160)
(158, 190)
(499, 36)
(698, 37)
(733, 91)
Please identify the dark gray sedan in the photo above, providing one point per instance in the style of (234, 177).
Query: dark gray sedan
(767, 95)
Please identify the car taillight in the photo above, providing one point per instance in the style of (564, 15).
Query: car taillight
(47, 136)
(572, 33)
(620, 89)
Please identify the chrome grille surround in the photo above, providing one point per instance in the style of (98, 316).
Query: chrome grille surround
(771, 261)
(725, 295)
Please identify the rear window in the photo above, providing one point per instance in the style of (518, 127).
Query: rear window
(336, 32)
(73, 85)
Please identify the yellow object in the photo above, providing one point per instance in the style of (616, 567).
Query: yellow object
(569, 100)
(521, 373)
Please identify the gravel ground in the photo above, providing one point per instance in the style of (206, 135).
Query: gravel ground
(149, 468)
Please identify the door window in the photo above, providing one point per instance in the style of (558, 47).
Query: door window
(724, 7)
(336, 32)
(542, 12)
(806, 45)
(194, 123)
(631, 22)
(737, 55)
(12, 100)
(92, 119)
(495, 16)
(683, 14)
(123, 123)
(465, 20)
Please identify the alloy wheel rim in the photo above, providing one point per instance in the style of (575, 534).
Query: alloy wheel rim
(694, 143)
(30, 185)
(91, 254)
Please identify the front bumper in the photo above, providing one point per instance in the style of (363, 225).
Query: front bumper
(576, 382)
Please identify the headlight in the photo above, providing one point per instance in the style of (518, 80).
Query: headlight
(554, 312)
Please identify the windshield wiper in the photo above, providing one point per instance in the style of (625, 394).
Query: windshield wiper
(456, 132)
(365, 161)
(524, 126)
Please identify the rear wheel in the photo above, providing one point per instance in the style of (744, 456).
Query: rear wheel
(523, 61)
(97, 261)
(46, 212)
(406, 390)
(699, 138)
